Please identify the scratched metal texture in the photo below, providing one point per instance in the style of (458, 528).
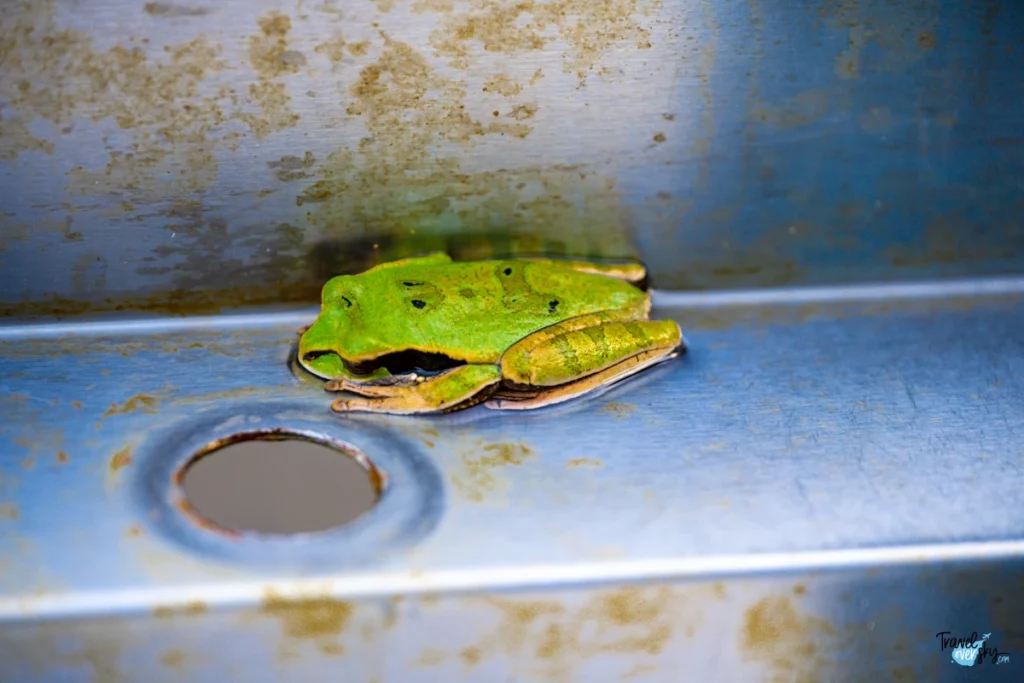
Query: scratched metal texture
(194, 155)
(828, 479)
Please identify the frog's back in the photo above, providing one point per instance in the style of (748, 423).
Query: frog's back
(474, 310)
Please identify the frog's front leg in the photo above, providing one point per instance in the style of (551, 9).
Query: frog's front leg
(392, 385)
(458, 388)
(577, 361)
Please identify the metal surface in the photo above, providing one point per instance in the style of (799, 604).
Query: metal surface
(825, 482)
(188, 156)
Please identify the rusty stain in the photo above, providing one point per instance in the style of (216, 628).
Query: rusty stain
(619, 409)
(718, 588)
(55, 74)
(903, 34)
(121, 459)
(141, 402)
(521, 112)
(321, 619)
(799, 589)
(478, 467)
(191, 609)
(187, 509)
(396, 184)
(588, 29)
(9, 511)
(290, 167)
(630, 620)
(77, 405)
(332, 48)
(574, 463)
(470, 656)
(62, 458)
(775, 634)
(134, 531)
(173, 659)
(502, 84)
(166, 9)
(659, 137)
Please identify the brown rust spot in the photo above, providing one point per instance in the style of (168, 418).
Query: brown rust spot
(332, 48)
(271, 59)
(134, 531)
(9, 511)
(120, 460)
(479, 467)
(574, 463)
(290, 167)
(308, 617)
(588, 29)
(470, 656)
(659, 137)
(619, 409)
(202, 522)
(174, 659)
(775, 634)
(503, 85)
(166, 9)
(629, 620)
(799, 589)
(77, 405)
(191, 609)
(62, 457)
(141, 402)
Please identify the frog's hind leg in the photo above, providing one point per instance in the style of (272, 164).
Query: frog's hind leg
(458, 388)
(578, 361)
(632, 272)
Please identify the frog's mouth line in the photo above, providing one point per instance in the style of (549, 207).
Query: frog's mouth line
(396, 363)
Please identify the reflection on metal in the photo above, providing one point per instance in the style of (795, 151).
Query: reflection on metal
(817, 489)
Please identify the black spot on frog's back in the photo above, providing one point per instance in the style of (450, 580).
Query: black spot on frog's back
(552, 305)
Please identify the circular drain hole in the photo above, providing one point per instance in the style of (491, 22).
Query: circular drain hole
(277, 483)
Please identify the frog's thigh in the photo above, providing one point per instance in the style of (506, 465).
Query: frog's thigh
(604, 378)
(576, 353)
(461, 387)
(633, 273)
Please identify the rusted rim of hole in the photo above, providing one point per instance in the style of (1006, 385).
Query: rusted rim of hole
(378, 479)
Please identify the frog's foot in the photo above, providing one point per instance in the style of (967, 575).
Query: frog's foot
(382, 386)
(576, 362)
(458, 388)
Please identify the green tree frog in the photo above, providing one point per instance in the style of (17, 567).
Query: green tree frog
(431, 335)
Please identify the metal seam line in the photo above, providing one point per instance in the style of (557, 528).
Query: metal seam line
(592, 574)
(661, 299)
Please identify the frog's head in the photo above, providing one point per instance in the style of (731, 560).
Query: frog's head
(321, 349)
